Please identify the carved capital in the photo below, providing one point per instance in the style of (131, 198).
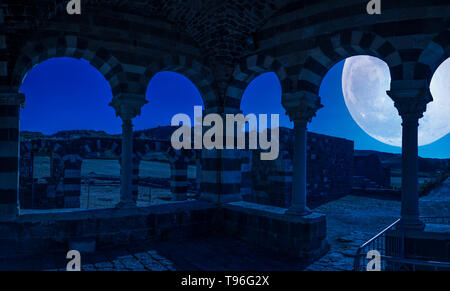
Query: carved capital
(128, 106)
(411, 103)
(305, 110)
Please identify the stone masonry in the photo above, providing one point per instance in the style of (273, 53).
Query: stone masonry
(221, 46)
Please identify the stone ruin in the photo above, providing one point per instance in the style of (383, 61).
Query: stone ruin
(221, 46)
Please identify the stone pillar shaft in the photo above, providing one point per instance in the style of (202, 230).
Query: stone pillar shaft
(10, 104)
(410, 195)
(126, 179)
(301, 115)
(127, 106)
(411, 100)
(298, 206)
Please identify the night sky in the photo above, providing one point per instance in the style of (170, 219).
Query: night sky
(68, 94)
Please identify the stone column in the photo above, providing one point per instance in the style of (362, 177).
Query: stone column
(10, 104)
(221, 168)
(127, 107)
(411, 104)
(126, 195)
(301, 115)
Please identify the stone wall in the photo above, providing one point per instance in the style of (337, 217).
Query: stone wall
(330, 170)
(105, 229)
(370, 167)
(268, 227)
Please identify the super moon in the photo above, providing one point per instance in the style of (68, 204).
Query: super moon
(366, 79)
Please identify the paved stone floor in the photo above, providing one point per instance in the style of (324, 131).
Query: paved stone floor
(351, 220)
(215, 253)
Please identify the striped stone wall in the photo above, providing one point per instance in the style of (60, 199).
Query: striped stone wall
(246, 170)
(72, 181)
(135, 186)
(179, 179)
(9, 153)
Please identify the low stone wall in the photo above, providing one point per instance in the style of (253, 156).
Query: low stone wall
(431, 244)
(268, 227)
(370, 167)
(330, 170)
(109, 228)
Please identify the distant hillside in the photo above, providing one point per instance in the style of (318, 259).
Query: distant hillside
(65, 134)
(394, 161)
(160, 132)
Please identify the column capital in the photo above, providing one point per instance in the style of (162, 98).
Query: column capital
(12, 99)
(304, 110)
(128, 106)
(411, 103)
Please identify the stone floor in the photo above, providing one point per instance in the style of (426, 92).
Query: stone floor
(351, 220)
(215, 253)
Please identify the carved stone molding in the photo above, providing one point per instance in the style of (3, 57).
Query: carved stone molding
(128, 106)
(411, 102)
(305, 110)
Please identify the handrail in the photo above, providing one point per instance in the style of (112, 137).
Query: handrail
(356, 264)
(380, 234)
(439, 219)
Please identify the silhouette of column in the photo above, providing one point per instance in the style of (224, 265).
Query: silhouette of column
(411, 104)
(126, 196)
(301, 115)
(127, 107)
(9, 153)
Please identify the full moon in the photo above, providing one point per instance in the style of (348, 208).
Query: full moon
(366, 79)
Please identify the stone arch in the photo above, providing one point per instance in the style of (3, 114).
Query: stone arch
(436, 52)
(187, 66)
(39, 50)
(247, 71)
(329, 50)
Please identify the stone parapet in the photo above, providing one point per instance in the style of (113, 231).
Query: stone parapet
(39, 231)
(268, 227)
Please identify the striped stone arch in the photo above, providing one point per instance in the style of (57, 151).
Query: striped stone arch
(437, 51)
(41, 49)
(331, 49)
(244, 73)
(187, 66)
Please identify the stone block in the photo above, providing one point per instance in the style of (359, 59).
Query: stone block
(268, 227)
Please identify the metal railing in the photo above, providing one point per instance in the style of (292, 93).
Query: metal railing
(378, 243)
(395, 259)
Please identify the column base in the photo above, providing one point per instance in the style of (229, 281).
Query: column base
(298, 211)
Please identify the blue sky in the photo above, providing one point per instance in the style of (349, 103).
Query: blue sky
(67, 94)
